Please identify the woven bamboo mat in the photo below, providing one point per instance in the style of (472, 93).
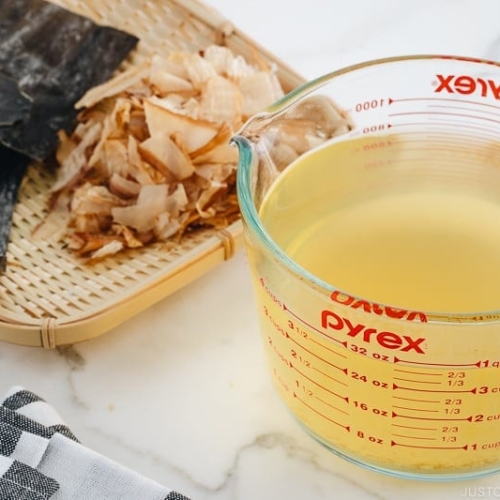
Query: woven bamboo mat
(48, 297)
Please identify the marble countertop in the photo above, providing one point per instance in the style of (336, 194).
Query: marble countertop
(180, 392)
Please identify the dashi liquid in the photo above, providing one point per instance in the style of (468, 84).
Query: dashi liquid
(406, 224)
(398, 227)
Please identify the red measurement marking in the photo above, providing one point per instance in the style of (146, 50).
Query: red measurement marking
(415, 409)
(346, 399)
(346, 427)
(344, 343)
(445, 161)
(429, 147)
(441, 113)
(443, 99)
(436, 130)
(393, 443)
(415, 428)
(402, 370)
(397, 415)
(328, 349)
(394, 386)
(491, 132)
(417, 400)
(330, 377)
(298, 344)
(460, 108)
(415, 437)
(333, 407)
(421, 363)
(417, 381)
(460, 143)
(474, 60)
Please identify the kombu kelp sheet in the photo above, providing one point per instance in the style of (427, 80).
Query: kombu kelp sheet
(49, 57)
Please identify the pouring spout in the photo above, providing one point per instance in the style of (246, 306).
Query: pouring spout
(272, 140)
(244, 146)
(255, 126)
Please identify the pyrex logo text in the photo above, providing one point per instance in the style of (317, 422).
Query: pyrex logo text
(372, 307)
(467, 85)
(389, 340)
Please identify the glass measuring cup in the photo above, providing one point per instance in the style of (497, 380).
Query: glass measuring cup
(371, 206)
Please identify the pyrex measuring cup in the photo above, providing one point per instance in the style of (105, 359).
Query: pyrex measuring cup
(370, 199)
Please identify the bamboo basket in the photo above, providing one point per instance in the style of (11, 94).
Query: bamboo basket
(49, 298)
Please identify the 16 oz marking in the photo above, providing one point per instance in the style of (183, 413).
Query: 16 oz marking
(365, 407)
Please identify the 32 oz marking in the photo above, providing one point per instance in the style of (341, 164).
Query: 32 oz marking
(364, 351)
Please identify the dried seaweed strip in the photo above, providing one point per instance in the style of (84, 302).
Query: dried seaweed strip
(12, 169)
(55, 56)
(49, 57)
(14, 105)
(10, 14)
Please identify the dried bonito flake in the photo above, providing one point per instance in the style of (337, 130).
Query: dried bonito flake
(150, 158)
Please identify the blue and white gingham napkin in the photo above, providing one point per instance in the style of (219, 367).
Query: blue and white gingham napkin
(41, 459)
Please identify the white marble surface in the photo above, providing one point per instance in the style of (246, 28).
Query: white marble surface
(181, 393)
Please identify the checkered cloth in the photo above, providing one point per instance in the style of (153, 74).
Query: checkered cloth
(41, 459)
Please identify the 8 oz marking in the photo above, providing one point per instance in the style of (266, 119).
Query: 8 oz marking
(372, 439)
